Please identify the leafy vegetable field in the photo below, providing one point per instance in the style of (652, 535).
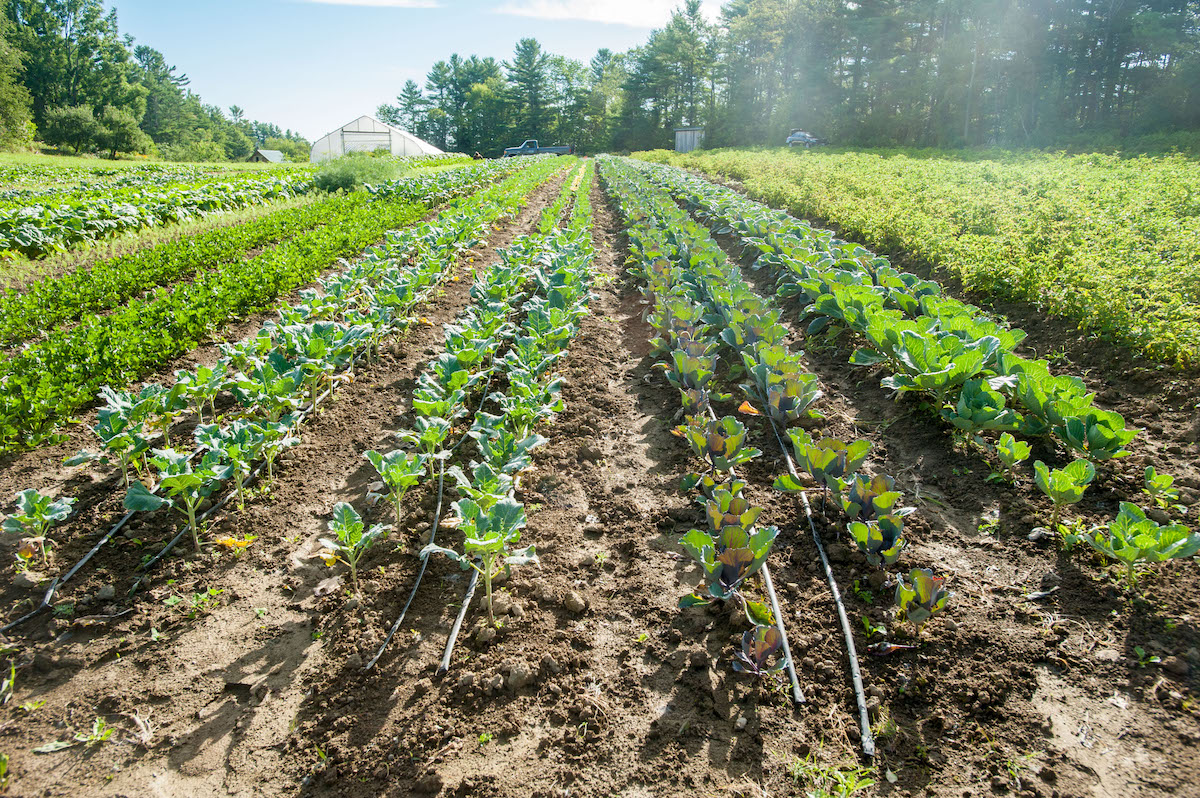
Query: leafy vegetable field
(601, 480)
(1106, 242)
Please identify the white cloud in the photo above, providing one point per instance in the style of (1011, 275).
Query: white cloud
(634, 13)
(380, 3)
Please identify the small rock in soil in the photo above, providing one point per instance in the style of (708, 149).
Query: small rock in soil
(351, 604)
(1159, 515)
(1040, 533)
(466, 680)
(423, 686)
(1175, 666)
(27, 580)
(354, 661)
(698, 659)
(493, 684)
(502, 604)
(741, 723)
(876, 579)
(485, 635)
(1108, 655)
(106, 593)
(517, 611)
(519, 675)
(550, 665)
(575, 603)
(838, 552)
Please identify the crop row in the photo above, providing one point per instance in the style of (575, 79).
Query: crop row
(951, 352)
(704, 313)
(37, 229)
(45, 304)
(524, 312)
(1112, 244)
(52, 378)
(270, 375)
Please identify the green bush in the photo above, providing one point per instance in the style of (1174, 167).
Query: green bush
(351, 171)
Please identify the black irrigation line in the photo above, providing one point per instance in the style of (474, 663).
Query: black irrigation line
(458, 622)
(868, 739)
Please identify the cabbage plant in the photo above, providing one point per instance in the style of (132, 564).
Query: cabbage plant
(922, 597)
(879, 539)
(185, 485)
(758, 646)
(1063, 485)
(399, 471)
(1132, 538)
(351, 539)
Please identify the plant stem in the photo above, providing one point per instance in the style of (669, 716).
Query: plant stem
(487, 584)
(1054, 516)
(191, 511)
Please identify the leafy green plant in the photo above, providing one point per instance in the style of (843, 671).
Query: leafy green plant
(488, 534)
(185, 485)
(399, 471)
(352, 539)
(758, 646)
(829, 460)
(922, 597)
(879, 539)
(35, 515)
(1098, 435)
(1144, 659)
(1012, 452)
(1161, 488)
(1132, 538)
(719, 443)
(1063, 486)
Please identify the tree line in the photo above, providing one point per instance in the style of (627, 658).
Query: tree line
(68, 77)
(945, 73)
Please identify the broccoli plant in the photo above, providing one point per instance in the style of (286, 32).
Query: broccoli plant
(186, 486)
(399, 471)
(488, 535)
(1132, 538)
(923, 598)
(1063, 485)
(202, 386)
(428, 437)
(239, 446)
(880, 539)
(34, 516)
(351, 541)
(277, 436)
(485, 486)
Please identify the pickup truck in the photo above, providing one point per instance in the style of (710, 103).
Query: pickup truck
(530, 147)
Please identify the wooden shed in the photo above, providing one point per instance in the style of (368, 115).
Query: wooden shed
(266, 156)
(688, 138)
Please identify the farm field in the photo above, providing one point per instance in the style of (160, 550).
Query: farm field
(1105, 242)
(639, 389)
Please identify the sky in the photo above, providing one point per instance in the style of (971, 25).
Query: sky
(313, 65)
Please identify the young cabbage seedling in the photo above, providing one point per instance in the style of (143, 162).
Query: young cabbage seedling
(1161, 488)
(923, 598)
(399, 471)
(1063, 485)
(488, 535)
(1132, 538)
(1012, 453)
(35, 514)
(352, 539)
(758, 646)
(239, 446)
(880, 539)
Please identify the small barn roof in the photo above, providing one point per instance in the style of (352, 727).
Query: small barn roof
(274, 156)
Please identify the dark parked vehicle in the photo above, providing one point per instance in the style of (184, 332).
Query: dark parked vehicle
(530, 147)
(802, 138)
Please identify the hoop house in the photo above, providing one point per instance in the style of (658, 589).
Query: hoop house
(368, 134)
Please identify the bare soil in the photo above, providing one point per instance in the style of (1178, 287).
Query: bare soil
(597, 684)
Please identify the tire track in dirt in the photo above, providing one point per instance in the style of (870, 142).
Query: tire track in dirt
(223, 690)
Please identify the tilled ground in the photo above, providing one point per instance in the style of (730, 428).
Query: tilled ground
(596, 684)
